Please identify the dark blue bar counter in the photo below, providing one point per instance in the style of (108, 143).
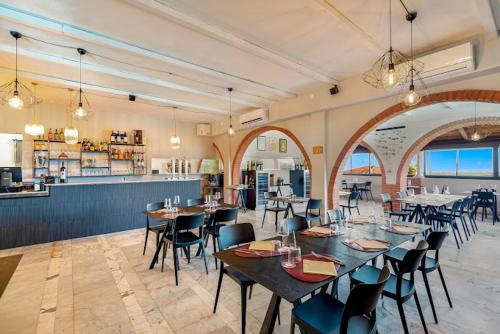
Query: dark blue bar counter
(76, 210)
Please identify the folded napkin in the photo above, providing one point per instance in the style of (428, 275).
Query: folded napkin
(371, 244)
(261, 246)
(320, 230)
(319, 267)
(405, 229)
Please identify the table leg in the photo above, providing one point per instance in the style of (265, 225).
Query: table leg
(158, 247)
(271, 315)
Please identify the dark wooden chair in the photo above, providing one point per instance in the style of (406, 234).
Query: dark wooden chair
(195, 201)
(352, 203)
(325, 314)
(397, 287)
(429, 264)
(366, 189)
(276, 209)
(387, 202)
(183, 238)
(312, 204)
(221, 218)
(156, 229)
(294, 224)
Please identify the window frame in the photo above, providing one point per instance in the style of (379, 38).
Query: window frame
(370, 155)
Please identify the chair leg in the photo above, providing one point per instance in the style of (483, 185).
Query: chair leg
(176, 264)
(350, 214)
(357, 208)
(263, 218)
(426, 281)
(454, 234)
(243, 308)
(420, 312)
(219, 285)
(458, 232)
(276, 221)
(444, 286)
(402, 315)
(466, 229)
(204, 256)
(250, 292)
(164, 255)
(145, 242)
(215, 250)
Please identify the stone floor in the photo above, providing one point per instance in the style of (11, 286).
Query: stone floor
(102, 284)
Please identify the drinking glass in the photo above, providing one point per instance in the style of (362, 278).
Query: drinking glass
(168, 204)
(289, 262)
(177, 200)
(436, 189)
(206, 200)
(295, 254)
(411, 192)
(424, 191)
(334, 227)
(284, 234)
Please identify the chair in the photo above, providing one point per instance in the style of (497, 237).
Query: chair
(485, 200)
(182, 237)
(366, 189)
(230, 236)
(156, 229)
(312, 204)
(195, 201)
(335, 214)
(387, 201)
(295, 224)
(325, 314)
(405, 206)
(276, 209)
(221, 217)
(444, 217)
(435, 240)
(352, 203)
(398, 287)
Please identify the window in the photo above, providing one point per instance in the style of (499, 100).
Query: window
(362, 163)
(413, 168)
(469, 162)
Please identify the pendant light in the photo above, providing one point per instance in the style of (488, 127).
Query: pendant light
(230, 131)
(80, 113)
(71, 132)
(175, 140)
(475, 133)
(15, 93)
(388, 70)
(34, 129)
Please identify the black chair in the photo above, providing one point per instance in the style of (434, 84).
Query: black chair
(230, 236)
(276, 209)
(335, 214)
(182, 237)
(485, 200)
(312, 204)
(294, 224)
(220, 218)
(195, 201)
(325, 314)
(366, 189)
(435, 240)
(156, 229)
(352, 203)
(449, 218)
(387, 201)
(397, 287)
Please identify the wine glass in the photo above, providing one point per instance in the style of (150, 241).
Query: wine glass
(168, 204)
(177, 201)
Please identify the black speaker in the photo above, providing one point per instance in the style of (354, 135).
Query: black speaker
(334, 90)
(131, 97)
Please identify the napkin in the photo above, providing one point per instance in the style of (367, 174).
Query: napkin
(320, 230)
(319, 267)
(371, 244)
(261, 246)
(405, 229)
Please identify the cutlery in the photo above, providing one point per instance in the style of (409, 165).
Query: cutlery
(328, 257)
(249, 251)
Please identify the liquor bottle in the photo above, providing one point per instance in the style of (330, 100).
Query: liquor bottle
(112, 138)
(50, 135)
(125, 138)
(136, 139)
(92, 147)
(62, 174)
(61, 134)
(56, 134)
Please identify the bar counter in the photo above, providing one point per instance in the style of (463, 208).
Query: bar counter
(79, 209)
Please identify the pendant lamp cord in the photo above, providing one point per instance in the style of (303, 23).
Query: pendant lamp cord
(16, 67)
(390, 31)
(80, 78)
(175, 122)
(411, 49)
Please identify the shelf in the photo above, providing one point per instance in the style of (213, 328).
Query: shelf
(40, 150)
(54, 141)
(122, 159)
(90, 167)
(95, 152)
(64, 159)
(117, 144)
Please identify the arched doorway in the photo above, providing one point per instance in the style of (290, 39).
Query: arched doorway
(334, 185)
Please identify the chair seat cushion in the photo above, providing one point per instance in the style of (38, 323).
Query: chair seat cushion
(397, 254)
(370, 274)
(324, 314)
(238, 276)
(184, 237)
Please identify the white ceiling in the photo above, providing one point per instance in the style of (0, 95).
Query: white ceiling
(266, 50)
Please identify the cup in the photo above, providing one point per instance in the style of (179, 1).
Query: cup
(335, 228)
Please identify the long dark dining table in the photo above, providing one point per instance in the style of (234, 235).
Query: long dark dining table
(268, 272)
(163, 218)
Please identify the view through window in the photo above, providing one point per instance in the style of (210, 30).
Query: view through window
(362, 163)
(470, 162)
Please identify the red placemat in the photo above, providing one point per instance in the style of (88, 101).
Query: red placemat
(313, 278)
(257, 254)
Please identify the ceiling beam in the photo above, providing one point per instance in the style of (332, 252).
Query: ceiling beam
(487, 17)
(231, 39)
(83, 34)
(125, 74)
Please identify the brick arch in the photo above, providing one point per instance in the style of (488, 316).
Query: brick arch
(421, 142)
(220, 154)
(247, 140)
(334, 184)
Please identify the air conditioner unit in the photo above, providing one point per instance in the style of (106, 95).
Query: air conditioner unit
(203, 130)
(254, 117)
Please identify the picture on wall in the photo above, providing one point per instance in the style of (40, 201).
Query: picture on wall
(283, 145)
(272, 144)
(261, 143)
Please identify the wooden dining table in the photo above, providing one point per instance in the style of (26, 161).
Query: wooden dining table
(426, 204)
(267, 271)
(168, 219)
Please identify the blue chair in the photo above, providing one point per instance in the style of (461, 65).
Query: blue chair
(485, 200)
(387, 201)
(276, 209)
(312, 204)
(352, 203)
(448, 218)
(156, 229)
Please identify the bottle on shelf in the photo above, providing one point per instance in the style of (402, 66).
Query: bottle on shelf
(92, 147)
(125, 138)
(62, 173)
(112, 138)
(56, 135)
(50, 135)
(61, 134)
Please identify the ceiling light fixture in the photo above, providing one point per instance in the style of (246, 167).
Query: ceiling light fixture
(34, 129)
(71, 132)
(15, 93)
(80, 113)
(475, 133)
(175, 140)
(230, 131)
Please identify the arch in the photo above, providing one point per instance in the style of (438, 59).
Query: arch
(247, 140)
(219, 153)
(421, 142)
(381, 164)
(491, 96)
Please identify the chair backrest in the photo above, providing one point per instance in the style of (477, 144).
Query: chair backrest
(435, 239)
(270, 194)
(194, 201)
(226, 215)
(353, 196)
(189, 222)
(401, 194)
(368, 185)
(413, 258)
(236, 234)
(363, 300)
(335, 214)
(314, 204)
(154, 206)
(465, 205)
(484, 196)
(455, 207)
(386, 198)
(295, 224)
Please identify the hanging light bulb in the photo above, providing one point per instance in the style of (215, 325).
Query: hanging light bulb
(71, 132)
(34, 129)
(80, 113)
(390, 78)
(15, 101)
(475, 133)
(175, 140)
(230, 131)
(412, 97)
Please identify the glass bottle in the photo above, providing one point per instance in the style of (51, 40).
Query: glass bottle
(50, 134)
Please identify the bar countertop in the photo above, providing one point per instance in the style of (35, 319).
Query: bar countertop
(119, 182)
(24, 194)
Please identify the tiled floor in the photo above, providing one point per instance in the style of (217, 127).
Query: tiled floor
(102, 285)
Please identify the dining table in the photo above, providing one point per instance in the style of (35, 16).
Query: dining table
(354, 185)
(267, 271)
(168, 218)
(426, 204)
(289, 201)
